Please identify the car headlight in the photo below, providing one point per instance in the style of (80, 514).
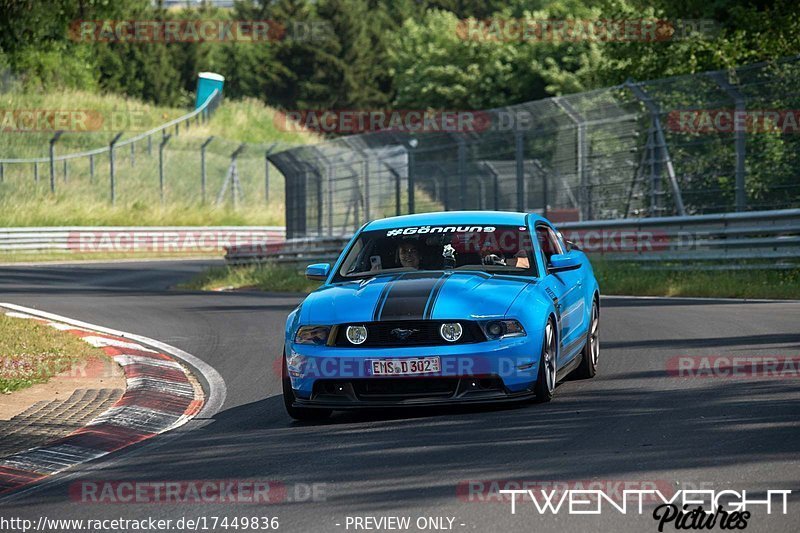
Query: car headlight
(356, 334)
(312, 335)
(451, 331)
(500, 329)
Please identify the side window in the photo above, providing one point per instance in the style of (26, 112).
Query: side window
(548, 242)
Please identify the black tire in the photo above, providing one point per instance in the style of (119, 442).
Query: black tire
(545, 386)
(591, 350)
(298, 413)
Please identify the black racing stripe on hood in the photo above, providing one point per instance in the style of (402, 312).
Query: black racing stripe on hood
(437, 288)
(376, 313)
(408, 296)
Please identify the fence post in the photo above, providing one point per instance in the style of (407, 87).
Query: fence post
(412, 144)
(581, 153)
(111, 165)
(318, 176)
(53, 142)
(161, 165)
(329, 178)
(266, 173)
(203, 168)
(462, 173)
(519, 158)
(237, 185)
(366, 190)
(397, 194)
(739, 138)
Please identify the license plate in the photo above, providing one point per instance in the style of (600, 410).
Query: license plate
(405, 367)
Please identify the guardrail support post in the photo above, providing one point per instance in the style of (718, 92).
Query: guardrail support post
(91, 168)
(66, 172)
(53, 142)
(161, 165)
(2, 173)
(150, 145)
(111, 166)
(36, 172)
(133, 154)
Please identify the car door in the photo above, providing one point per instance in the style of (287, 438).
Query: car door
(567, 292)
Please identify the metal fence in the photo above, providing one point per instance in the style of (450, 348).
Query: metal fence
(640, 149)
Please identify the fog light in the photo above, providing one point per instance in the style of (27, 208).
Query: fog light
(451, 331)
(495, 329)
(356, 334)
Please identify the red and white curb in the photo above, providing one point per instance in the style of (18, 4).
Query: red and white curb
(161, 394)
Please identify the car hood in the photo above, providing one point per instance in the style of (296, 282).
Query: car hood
(413, 296)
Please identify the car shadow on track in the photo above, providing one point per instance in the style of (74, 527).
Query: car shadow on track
(381, 460)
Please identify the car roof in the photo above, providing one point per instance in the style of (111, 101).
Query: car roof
(500, 218)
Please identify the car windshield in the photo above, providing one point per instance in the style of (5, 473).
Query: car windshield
(495, 249)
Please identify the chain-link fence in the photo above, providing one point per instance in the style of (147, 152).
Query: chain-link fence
(705, 143)
(175, 164)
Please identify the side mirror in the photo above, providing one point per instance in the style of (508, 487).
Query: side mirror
(318, 271)
(563, 262)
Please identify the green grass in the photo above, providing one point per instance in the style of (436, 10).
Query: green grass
(31, 352)
(614, 278)
(257, 277)
(81, 199)
(631, 279)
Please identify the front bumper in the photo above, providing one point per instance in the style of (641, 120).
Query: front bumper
(339, 378)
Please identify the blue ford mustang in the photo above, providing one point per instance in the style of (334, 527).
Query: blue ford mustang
(443, 308)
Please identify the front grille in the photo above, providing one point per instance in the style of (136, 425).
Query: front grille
(409, 333)
(405, 388)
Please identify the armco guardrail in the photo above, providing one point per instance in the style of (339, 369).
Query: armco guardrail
(734, 239)
(84, 239)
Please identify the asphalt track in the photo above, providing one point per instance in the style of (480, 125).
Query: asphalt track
(633, 422)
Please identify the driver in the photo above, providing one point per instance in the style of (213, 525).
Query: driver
(408, 254)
